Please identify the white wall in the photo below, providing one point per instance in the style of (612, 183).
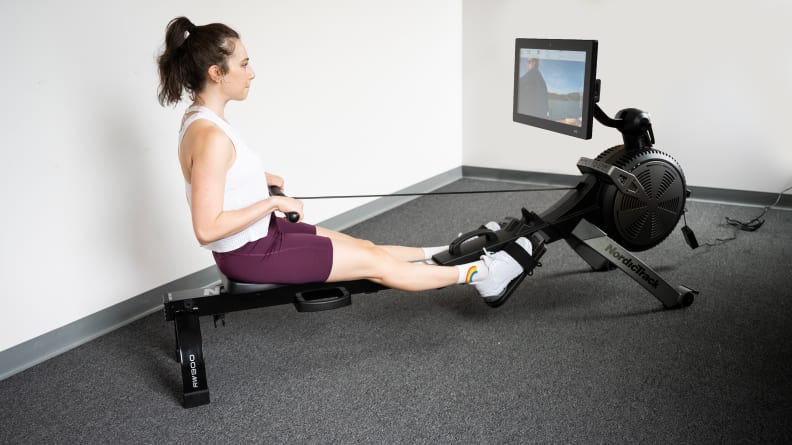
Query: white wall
(715, 76)
(351, 96)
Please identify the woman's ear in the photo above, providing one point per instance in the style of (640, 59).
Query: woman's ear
(215, 74)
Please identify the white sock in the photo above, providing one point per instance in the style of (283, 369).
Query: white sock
(472, 272)
(429, 252)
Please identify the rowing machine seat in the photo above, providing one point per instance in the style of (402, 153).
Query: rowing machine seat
(239, 287)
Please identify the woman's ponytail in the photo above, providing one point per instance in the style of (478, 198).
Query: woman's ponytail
(171, 62)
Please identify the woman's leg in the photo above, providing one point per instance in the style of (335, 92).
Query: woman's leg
(355, 259)
(400, 252)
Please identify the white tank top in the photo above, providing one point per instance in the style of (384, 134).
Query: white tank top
(246, 182)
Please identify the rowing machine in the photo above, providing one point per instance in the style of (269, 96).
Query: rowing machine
(630, 198)
(635, 197)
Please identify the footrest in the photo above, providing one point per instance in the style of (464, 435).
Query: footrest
(528, 263)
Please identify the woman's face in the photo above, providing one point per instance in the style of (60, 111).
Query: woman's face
(236, 82)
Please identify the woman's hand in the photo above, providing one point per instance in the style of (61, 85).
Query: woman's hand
(286, 204)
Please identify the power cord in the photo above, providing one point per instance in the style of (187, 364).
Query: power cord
(747, 226)
(754, 224)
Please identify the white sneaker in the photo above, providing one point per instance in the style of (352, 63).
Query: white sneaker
(492, 225)
(502, 270)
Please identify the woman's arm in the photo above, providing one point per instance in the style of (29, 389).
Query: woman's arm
(212, 154)
(275, 180)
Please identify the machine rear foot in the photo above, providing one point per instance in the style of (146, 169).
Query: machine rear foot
(686, 297)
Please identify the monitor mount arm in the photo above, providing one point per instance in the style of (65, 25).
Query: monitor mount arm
(635, 125)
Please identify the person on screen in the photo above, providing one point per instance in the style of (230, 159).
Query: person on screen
(227, 188)
(533, 98)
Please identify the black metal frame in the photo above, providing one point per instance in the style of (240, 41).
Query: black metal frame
(184, 308)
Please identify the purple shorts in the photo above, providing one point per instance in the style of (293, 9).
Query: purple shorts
(291, 253)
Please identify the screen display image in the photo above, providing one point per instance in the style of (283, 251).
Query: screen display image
(553, 84)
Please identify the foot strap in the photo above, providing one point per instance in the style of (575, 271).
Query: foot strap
(528, 263)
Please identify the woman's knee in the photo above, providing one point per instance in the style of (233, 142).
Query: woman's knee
(355, 259)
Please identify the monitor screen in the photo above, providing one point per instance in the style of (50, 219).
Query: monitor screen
(554, 84)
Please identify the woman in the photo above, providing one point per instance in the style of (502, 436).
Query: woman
(227, 188)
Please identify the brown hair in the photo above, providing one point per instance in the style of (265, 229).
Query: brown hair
(189, 52)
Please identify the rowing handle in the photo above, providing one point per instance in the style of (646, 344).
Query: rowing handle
(276, 191)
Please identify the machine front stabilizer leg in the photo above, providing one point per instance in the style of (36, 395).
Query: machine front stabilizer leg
(599, 243)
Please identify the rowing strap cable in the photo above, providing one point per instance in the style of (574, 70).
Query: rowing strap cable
(467, 192)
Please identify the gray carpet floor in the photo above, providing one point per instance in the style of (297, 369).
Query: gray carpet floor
(574, 356)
